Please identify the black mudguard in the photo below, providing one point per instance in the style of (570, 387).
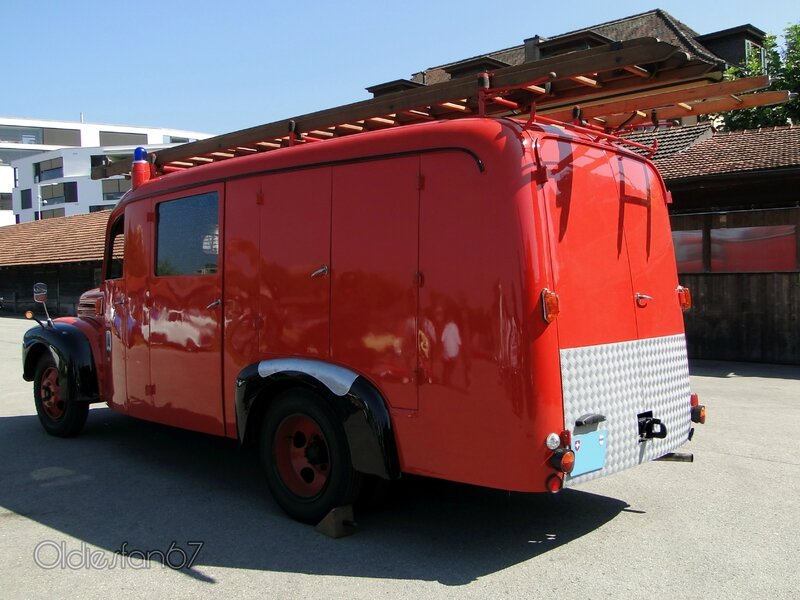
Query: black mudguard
(73, 356)
(361, 407)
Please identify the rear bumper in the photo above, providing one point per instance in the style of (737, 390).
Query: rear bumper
(621, 381)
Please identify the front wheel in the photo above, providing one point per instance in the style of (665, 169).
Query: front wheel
(306, 457)
(59, 415)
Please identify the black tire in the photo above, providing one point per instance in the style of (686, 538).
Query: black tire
(60, 416)
(305, 456)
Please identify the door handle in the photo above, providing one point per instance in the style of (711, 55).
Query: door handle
(642, 299)
(323, 270)
(214, 304)
(119, 302)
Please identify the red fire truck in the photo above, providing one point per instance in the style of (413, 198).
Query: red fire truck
(484, 300)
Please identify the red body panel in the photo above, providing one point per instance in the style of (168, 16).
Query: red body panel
(414, 257)
(374, 291)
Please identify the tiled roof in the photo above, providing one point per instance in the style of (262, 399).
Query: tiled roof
(654, 23)
(59, 240)
(735, 152)
(672, 139)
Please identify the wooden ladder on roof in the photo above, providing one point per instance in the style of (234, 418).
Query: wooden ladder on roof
(622, 84)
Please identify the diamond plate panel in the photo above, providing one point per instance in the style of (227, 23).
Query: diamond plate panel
(620, 381)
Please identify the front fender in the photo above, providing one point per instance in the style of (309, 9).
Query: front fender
(362, 409)
(72, 353)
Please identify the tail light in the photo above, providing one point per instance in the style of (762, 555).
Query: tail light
(684, 298)
(554, 483)
(550, 307)
(698, 410)
(699, 414)
(563, 460)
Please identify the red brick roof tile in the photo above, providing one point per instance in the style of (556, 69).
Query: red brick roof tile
(62, 239)
(735, 152)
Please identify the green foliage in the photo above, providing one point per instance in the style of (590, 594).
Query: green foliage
(783, 67)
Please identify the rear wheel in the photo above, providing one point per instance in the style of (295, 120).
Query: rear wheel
(59, 415)
(305, 456)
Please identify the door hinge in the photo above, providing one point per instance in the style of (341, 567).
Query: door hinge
(419, 279)
(150, 389)
(421, 184)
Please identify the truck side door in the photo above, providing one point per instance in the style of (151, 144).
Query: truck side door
(183, 302)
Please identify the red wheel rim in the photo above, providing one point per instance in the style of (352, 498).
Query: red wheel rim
(301, 456)
(50, 393)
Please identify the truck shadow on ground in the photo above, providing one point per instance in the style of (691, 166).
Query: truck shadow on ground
(128, 481)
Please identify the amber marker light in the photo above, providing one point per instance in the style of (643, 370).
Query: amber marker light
(698, 410)
(28, 314)
(563, 459)
(684, 298)
(550, 307)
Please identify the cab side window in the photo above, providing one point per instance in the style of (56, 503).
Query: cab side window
(187, 238)
(115, 250)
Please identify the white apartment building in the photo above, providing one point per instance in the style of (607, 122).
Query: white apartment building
(61, 180)
(58, 183)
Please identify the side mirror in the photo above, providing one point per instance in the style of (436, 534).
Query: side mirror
(40, 292)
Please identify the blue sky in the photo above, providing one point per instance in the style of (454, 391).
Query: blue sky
(223, 66)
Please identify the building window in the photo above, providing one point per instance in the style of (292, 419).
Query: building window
(688, 250)
(172, 139)
(40, 135)
(188, 236)
(116, 138)
(48, 169)
(55, 212)
(7, 155)
(5, 202)
(26, 199)
(61, 137)
(771, 249)
(99, 207)
(60, 193)
(753, 51)
(20, 135)
(113, 189)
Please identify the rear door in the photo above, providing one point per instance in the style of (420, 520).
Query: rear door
(589, 255)
(643, 212)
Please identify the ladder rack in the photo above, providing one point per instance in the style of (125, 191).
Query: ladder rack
(605, 87)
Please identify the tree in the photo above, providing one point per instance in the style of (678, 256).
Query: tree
(783, 67)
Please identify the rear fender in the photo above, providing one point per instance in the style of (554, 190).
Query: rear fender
(360, 406)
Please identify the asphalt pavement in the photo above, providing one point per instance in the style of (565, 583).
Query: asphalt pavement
(81, 517)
